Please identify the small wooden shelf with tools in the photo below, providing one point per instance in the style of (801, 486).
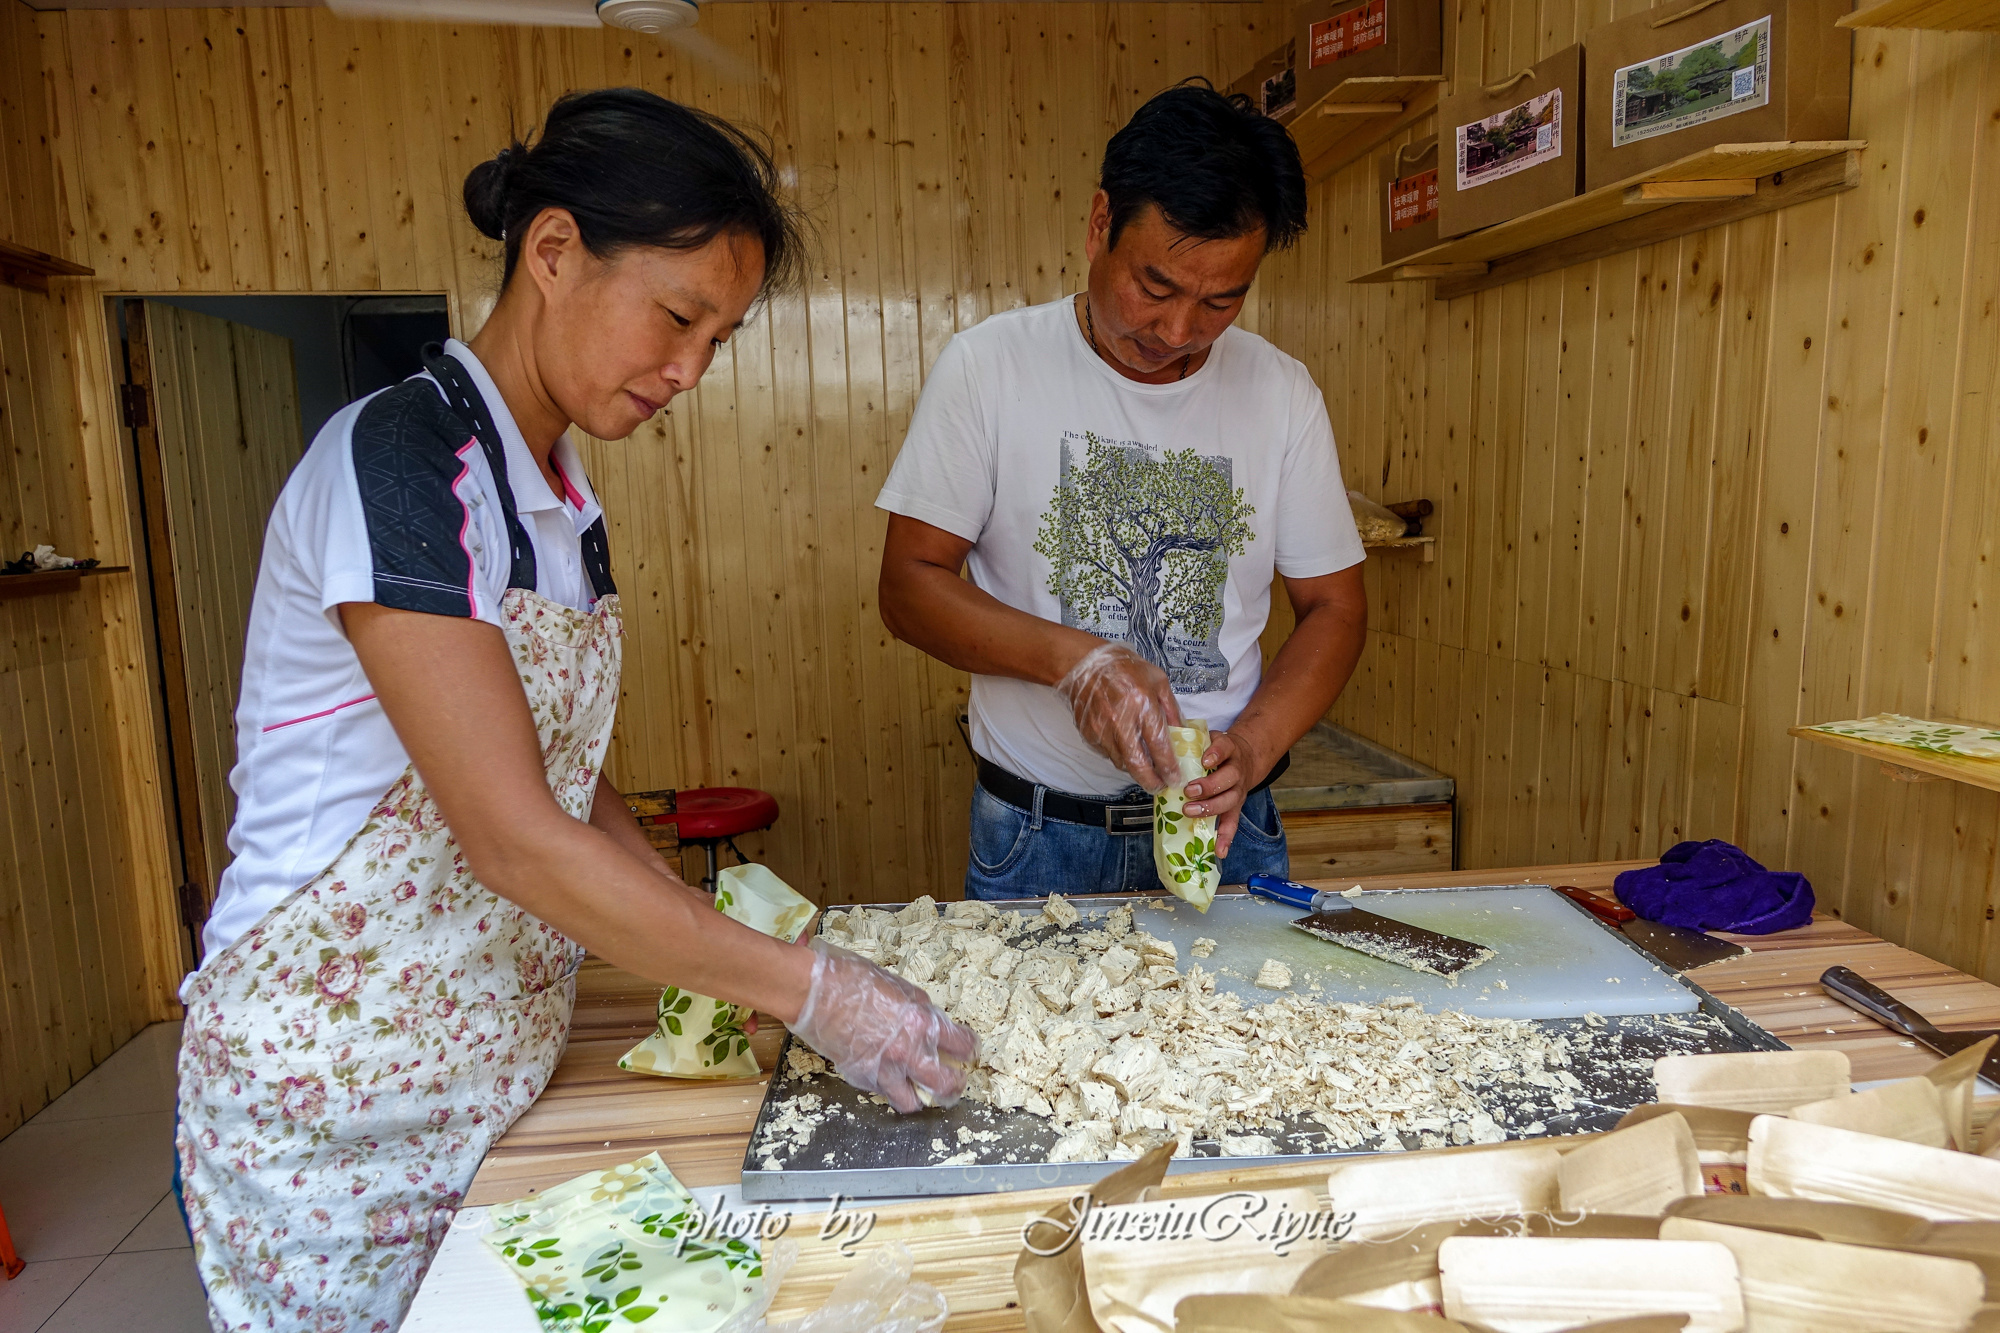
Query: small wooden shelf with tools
(1911, 765)
(1357, 115)
(1706, 189)
(32, 269)
(1937, 15)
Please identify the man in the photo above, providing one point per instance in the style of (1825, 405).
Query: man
(1122, 471)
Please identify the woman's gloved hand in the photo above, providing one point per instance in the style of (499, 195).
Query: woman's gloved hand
(882, 1033)
(1123, 705)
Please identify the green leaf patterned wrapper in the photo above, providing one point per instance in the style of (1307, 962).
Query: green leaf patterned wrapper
(1184, 848)
(623, 1248)
(698, 1037)
(1972, 742)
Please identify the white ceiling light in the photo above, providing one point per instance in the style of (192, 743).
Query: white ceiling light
(648, 15)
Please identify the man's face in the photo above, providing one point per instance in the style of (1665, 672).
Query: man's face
(1158, 295)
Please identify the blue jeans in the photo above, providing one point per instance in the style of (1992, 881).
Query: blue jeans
(1024, 854)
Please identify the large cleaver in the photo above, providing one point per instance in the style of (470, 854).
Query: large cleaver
(1676, 946)
(1856, 992)
(1337, 920)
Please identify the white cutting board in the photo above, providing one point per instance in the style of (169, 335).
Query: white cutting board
(1551, 959)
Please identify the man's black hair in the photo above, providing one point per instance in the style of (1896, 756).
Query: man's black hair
(637, 170)
(1214, 165)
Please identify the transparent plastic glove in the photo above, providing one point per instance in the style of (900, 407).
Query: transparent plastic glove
(1123, 705)
(882, 1033)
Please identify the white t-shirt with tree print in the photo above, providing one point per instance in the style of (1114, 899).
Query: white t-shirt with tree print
(1152, 513)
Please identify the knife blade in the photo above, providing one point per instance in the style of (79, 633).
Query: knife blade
(1859, 993)
(1676, 946)
(1337, 920)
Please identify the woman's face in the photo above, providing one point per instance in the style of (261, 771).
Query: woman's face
(623, 337)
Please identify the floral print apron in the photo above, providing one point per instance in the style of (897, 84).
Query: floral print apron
(346, 1063)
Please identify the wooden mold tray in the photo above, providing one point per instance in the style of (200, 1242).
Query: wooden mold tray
(1939, 15)
(1706, 189)
(1917, 764)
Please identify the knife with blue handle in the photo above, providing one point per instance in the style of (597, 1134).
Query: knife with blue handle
(1337, 920)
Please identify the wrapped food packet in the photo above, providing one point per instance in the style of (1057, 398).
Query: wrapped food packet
(1169, 1249)
(1514, 1285)
(1721, 1142)
(624, 1244)
(1794, 1285)
(699, 1037)
(1796, 1159)
(1765, 1082)
(1909, 1109)
(1048, 1272)
(1637, 1170)
(1184, 848)
(1390, 1194)
(1955, 1079)
(1299, 1314)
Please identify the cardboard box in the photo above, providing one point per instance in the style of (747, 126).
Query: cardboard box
(1351, 39)
(1272, 84)
(1511, 147)
(1684, 77)
(1409, 192)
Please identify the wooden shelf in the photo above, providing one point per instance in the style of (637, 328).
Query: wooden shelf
(1959, 768)
(1428, 545)
(1938, 15)
(1356, 116)
(50, 580)
(32, 269)
(1652, 206)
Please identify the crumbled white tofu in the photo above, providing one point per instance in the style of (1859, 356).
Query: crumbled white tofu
(1274, 975)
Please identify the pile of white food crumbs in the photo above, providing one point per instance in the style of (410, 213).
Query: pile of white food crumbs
(1101, 1032)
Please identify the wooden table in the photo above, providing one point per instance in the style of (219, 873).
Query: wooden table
(595, 1115)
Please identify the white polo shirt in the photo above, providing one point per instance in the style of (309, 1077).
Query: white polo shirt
(394, 503)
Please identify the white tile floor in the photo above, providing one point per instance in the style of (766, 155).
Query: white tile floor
(85, 1187)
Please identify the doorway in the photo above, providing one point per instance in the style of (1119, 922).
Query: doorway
(220, 397)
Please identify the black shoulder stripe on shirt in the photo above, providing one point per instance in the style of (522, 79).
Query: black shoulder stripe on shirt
(597, 559)
(407, 445)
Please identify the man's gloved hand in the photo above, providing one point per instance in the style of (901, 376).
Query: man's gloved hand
(882, 1033)
(1123, 705)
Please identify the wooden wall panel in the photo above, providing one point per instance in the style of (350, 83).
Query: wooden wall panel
(77, 977)
(1723, 485)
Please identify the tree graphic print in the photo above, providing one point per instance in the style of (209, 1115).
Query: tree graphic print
(1150, 533)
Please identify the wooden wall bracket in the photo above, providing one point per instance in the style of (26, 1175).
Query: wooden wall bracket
(32, 269)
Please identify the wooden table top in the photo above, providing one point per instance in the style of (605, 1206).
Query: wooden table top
(594, 1114)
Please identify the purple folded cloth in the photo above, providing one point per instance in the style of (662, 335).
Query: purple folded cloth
(1715, 885)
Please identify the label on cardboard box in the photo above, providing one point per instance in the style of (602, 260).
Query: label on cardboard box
(1347, 33)
(1413, 199)
(1512, 140)
(1722, 76)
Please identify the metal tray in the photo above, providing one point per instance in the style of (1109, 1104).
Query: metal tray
(864, 1150)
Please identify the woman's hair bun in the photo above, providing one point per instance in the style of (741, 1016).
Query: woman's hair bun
(486, 192)
(634, 169)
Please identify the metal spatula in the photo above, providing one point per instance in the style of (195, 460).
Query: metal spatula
(1338, 921)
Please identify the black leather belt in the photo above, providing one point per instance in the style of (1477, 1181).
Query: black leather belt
(1119, 818)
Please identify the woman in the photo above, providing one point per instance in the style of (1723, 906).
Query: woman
(424, 847)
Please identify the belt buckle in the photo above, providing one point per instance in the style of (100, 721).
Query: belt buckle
(1125, 821)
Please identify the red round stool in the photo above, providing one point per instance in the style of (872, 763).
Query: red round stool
(706, 816)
